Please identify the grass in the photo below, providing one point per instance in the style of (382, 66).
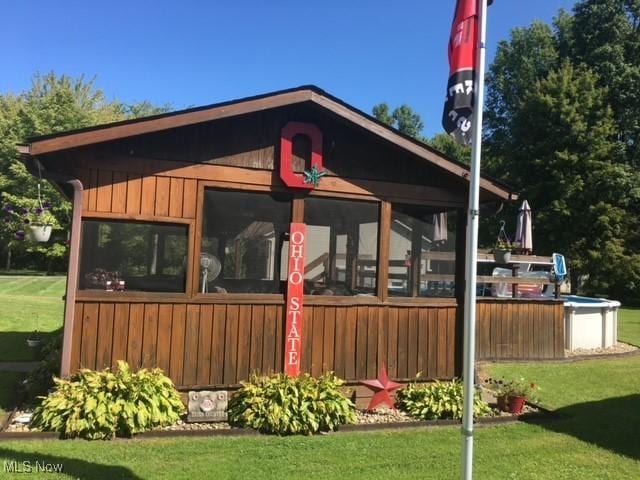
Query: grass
(28, 304)
(595, 439)
(629, 325)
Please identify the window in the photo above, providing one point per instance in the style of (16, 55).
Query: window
(243, 241)
(422, 252)
(122, 255)
(342, 247)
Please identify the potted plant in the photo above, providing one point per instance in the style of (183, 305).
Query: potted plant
(511, 395)
(503, 246)
(502, 251)
(35, 340)
(38, 225)
(34, 223)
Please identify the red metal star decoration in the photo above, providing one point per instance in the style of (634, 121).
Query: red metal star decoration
(382, 387)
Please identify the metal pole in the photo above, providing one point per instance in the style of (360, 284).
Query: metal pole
(471, 256)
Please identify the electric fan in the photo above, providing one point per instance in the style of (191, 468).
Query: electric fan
(211, 267)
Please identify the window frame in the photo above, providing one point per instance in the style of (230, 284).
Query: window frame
(458, 258)
(134, 295)
(212, 297)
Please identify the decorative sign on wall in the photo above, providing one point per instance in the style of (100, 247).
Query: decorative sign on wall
(295, 292)
(206, 406)
(311, 178)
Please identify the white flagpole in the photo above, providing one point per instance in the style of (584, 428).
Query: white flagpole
(471, 257)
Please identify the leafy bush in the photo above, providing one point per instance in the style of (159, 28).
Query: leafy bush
(100, 405)
(284, 405)
(431, 401)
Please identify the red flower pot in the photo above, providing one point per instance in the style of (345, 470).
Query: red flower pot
(516, 404)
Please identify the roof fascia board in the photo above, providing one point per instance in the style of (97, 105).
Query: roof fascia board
(408, 145)
(41, 147)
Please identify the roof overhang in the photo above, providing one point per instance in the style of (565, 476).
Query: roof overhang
(58, 142)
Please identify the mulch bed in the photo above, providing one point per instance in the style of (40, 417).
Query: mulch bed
(367, 421)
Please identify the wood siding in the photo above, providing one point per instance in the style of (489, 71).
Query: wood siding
(221, 344)
(132, 194)
(519, 329)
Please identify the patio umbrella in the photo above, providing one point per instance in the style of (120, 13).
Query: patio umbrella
(440, 227)
(523, 230)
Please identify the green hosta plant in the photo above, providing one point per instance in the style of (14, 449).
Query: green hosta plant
(431, 401)
(285, 405)
(104, 404)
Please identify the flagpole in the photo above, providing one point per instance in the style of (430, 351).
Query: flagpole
(471, 256)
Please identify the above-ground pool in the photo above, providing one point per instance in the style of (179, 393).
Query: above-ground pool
(590, 322)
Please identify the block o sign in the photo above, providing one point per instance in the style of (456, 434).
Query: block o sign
(290, 130)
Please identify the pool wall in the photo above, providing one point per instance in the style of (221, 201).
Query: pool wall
(590, 322)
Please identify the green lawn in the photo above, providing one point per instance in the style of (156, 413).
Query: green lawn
(597, 438)
(629, 325)
(28, 303)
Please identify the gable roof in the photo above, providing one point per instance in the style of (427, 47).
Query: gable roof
(57, 142)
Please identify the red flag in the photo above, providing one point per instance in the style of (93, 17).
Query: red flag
(458, 107)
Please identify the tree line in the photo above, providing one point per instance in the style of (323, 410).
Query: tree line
(562, 127)
(54, 103)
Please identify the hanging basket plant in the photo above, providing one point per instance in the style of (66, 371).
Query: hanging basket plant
(29, 223)
(503, 247)
(39, 232)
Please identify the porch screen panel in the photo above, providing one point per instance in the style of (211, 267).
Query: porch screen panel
(422, 252)
(242, 241)
(133, 256)
(341, 253)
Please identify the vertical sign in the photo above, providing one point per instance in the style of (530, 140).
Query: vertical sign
(295, 292)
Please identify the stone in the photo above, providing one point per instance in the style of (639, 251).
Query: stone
(208, 406)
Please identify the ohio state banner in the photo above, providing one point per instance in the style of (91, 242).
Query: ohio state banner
(458, 107)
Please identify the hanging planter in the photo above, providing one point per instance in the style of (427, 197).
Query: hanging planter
(503, 247)
(501, 255)
(38, 232)
(30, 220)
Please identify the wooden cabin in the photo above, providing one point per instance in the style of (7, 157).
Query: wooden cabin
(180, 254)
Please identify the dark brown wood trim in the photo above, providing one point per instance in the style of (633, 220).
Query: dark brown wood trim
(197, 242)
(135, 217)
(224, 176)
(277, 99)
(409, 145)
(239, 298)
(114, 132)
(422, 302)
(100, 296)
(297, 210)
(384, 238)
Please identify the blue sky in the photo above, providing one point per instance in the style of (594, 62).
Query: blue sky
(190, 52)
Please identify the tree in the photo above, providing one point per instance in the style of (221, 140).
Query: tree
(529, 55)
(403, 118)
(563, 127)
(446, 144)
(567, 164)
(53, 104)
(606, 37)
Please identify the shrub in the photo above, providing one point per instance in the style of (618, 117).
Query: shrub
(431, 401)
(285, 405)
(40, 380)
(100, 405)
